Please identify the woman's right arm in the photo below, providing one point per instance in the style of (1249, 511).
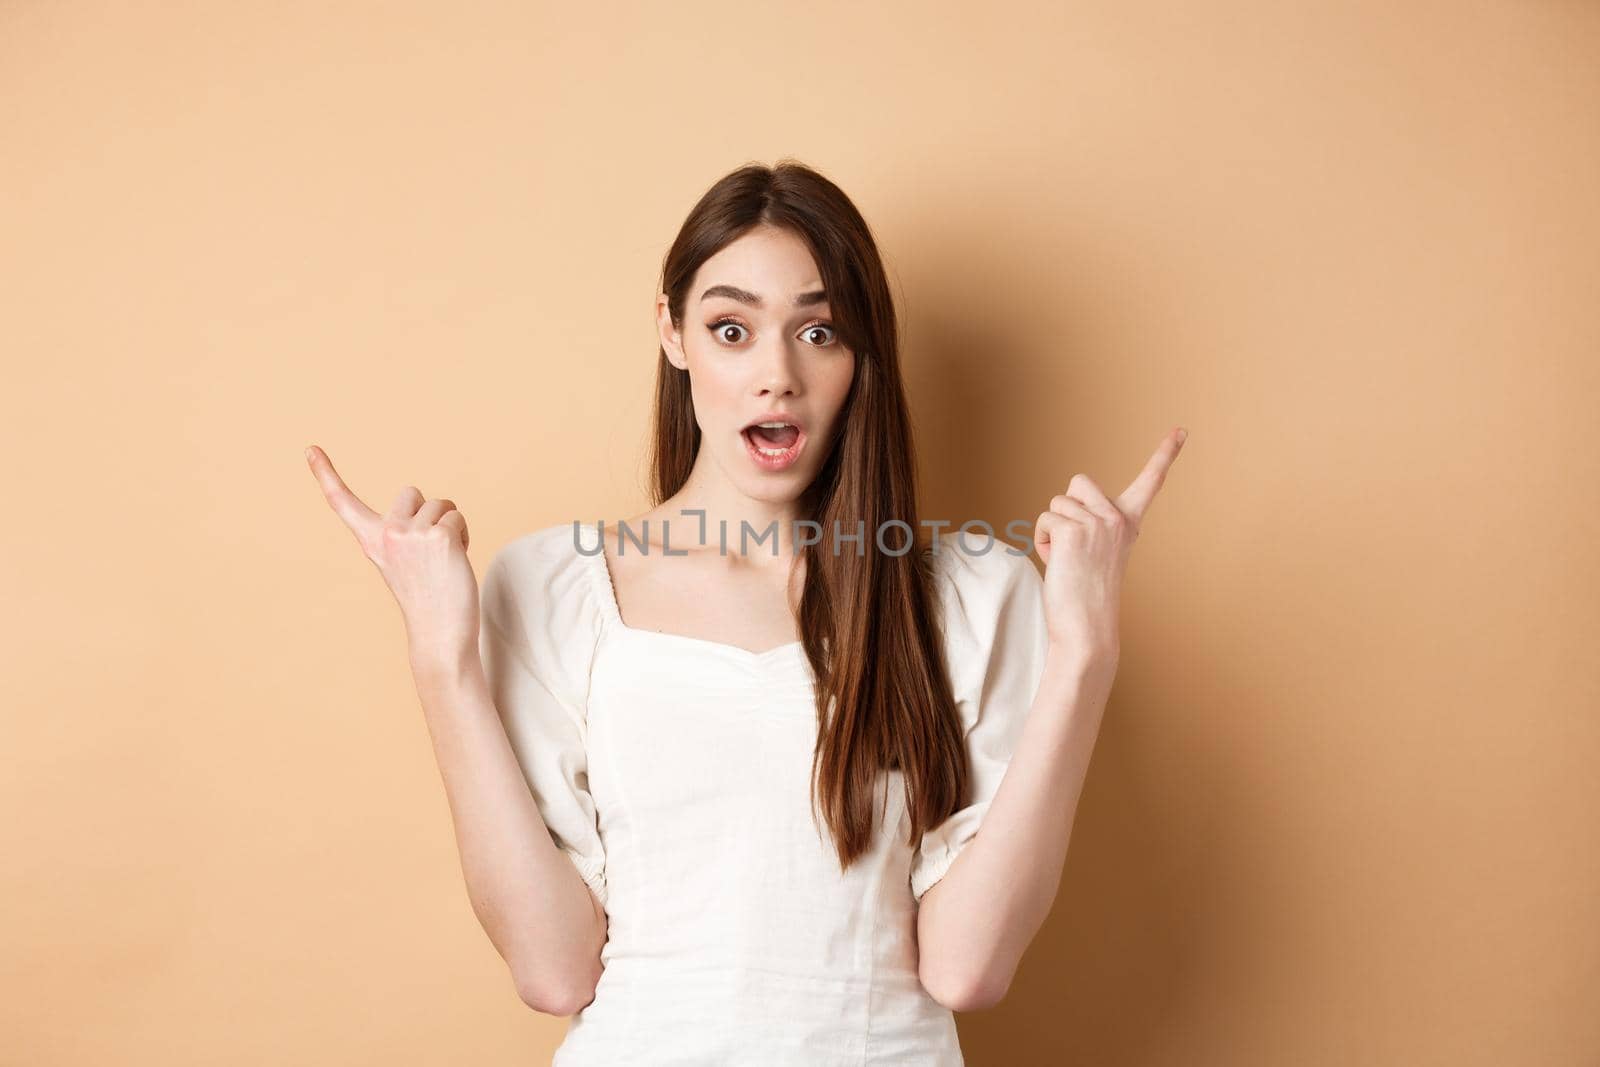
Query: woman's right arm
(529, 898)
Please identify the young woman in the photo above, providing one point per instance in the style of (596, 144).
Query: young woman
(721, 797)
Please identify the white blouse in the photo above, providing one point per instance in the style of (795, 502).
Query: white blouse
(674, 771)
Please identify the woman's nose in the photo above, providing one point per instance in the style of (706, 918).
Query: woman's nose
(777, 374)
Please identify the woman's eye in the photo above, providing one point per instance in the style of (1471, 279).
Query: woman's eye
(723, 328)
(809, 330)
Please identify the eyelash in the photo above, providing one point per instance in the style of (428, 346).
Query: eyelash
(727, 320)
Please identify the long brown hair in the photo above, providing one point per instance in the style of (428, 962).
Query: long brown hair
(868, 623)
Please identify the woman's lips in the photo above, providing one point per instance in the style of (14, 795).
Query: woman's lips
(772, 459)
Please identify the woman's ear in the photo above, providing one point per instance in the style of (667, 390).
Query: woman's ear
(671, 340)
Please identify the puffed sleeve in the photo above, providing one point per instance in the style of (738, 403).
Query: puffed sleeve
(538, 628)
(996, 641)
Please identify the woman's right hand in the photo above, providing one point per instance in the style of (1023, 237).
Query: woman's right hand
(420, 548)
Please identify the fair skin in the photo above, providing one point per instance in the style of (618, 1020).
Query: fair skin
(743, 361)
(975, 923)
(525, 892)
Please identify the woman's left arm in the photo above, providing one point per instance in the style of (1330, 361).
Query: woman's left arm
(974, 924)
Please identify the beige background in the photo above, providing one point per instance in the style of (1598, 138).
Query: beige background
(1344, 806)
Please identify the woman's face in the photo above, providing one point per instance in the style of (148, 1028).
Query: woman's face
(758, 342)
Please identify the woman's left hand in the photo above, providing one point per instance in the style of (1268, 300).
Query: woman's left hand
(1084, 540)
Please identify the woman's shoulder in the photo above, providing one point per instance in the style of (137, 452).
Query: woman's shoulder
(543, 581)
(550, 557)
(988, 587)
(975, 564)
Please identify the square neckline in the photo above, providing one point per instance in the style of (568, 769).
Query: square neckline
(600, 573)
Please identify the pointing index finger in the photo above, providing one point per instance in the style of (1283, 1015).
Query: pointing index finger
(345, 504)
(1136, 498)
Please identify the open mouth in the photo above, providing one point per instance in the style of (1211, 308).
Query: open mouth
(773, 444)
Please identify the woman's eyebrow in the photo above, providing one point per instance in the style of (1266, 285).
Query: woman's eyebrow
(744, 296)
